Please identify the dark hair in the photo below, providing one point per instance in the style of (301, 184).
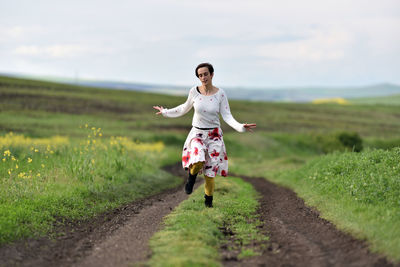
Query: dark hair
(202, 65)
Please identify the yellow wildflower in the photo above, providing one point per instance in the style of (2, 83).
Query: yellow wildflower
(93, 128)
(42, 165)
(92, 161)
(38, 175)
(4, 159)
(29, 160)
(7, 153)
(337, 100)
(9, 171)
(13, 158)
(86, 125)
(16, 166)
(100, 134)
(21, 175)
(36, 150)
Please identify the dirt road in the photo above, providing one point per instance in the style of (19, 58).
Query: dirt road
(116, 238)
(299, 237)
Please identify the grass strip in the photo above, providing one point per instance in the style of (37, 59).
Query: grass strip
(358, 192)
(192, 235)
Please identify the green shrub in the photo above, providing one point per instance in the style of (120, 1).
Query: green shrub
(351, 141)
(342, 141)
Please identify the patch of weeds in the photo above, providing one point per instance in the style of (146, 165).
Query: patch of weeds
(194, 235)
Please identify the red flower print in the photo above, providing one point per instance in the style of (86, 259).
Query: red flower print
(225, 156)
(224, 173)
(214, 154)
(196, 151)
(214, 134)
(186, 158)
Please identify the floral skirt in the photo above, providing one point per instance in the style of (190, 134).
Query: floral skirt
(206, 146)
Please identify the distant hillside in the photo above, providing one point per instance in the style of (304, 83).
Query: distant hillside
(294, 94)
(382, 100)
(307, 94)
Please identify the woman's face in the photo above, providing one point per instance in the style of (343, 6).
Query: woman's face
(204, 75)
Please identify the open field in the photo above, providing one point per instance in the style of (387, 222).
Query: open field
(292, 143)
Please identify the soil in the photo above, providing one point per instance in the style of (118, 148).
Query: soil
(298, 236)
(116, 238)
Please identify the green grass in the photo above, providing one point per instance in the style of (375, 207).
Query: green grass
(43, 183)
(359, 192)
(192, 234)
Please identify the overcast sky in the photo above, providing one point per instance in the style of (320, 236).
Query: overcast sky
(251, 43)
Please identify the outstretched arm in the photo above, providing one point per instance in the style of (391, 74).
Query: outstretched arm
(177, 111)
(228, 118)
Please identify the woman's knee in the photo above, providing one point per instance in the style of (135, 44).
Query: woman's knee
(196, 167)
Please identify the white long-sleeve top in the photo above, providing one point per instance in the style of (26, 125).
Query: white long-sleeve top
(206, 110)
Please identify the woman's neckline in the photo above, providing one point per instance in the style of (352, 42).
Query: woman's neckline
(198, 91)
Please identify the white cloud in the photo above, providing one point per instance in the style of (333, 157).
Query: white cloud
(18, 33)
(141, 40)
(321, 46)
(52, 51)
(59, 51)
(310, 46)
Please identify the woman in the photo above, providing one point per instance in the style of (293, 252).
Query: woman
(204, 148)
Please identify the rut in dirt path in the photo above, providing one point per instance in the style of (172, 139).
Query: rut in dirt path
(129, 244)
(115, 238)
(299, 237)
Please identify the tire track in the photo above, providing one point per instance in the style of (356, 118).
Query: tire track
(115, 238)
(299, 237)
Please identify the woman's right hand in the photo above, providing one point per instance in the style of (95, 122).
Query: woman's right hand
(160, 109)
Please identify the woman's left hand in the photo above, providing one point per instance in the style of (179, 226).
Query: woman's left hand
(250, 126)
